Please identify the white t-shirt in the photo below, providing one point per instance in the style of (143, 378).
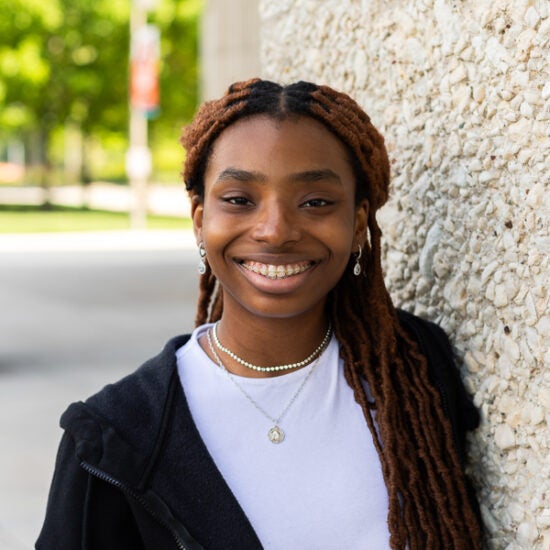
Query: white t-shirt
(322, 487)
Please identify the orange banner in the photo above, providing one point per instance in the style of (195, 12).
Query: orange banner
(144, 69)
(144, 84)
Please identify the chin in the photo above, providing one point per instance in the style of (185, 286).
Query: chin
(283, 310)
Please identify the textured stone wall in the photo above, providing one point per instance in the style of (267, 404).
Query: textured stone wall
(461, 90)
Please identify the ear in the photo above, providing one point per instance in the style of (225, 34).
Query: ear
(361, 224)
(197, 210)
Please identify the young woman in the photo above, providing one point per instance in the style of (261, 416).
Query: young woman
(304, 411)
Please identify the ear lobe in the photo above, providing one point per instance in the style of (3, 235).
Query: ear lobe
(197, 210)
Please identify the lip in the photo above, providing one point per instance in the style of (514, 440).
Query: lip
(284, 275)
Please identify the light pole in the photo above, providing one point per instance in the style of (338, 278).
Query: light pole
(144, 99)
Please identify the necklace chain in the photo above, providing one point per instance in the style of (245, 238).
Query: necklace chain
(316, 353)
(275, 434)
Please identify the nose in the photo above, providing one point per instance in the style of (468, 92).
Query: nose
(276, 224)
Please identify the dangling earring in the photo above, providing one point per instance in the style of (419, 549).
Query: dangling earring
(201, 267)
(357, 267)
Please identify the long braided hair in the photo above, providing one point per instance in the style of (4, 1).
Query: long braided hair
(428, 502)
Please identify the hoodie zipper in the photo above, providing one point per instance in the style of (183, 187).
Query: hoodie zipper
(115, 482)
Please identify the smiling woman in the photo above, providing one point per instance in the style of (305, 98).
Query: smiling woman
(278, 221)
(305, 410)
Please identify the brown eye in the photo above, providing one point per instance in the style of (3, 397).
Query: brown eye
(316, 203)
(237, 201)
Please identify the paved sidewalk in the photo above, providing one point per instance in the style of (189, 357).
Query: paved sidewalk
(31, 405)
(149, 239)
(78, 310)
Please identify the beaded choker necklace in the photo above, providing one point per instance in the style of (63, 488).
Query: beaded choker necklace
(320, 348)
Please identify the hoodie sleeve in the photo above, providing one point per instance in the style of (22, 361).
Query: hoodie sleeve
(65, 510)
(83, 512)
(445, 376)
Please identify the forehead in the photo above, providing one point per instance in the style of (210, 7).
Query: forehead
(295, 141)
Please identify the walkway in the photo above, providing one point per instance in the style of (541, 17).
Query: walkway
(78, 311)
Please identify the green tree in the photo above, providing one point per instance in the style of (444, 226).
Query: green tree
(66, 62)
(178, 22)
(24, 67)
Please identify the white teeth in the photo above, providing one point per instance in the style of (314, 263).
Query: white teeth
(276, 271)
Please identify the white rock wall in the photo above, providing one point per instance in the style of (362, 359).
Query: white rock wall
(461, 90)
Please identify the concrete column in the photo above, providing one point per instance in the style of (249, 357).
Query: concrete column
(230, 44)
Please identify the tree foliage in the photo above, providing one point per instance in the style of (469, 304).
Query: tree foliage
(66, 62)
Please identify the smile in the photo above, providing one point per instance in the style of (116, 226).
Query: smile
(277, 271)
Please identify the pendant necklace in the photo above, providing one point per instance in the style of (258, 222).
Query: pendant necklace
(275, 433)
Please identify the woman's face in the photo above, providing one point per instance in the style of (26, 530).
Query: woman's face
(278, 218)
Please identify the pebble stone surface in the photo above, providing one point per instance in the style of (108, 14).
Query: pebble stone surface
(461, 91)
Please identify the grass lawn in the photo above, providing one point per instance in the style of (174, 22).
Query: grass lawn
(34, 219)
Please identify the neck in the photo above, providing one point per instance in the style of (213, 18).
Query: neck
(269, 342)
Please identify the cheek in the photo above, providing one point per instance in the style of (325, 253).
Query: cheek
(342, 232)
(210, 219)
(217, 233)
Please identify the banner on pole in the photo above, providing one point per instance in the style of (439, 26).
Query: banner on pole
(144, 70)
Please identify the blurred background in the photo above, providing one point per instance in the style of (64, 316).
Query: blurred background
(97, 256)
(65, 94)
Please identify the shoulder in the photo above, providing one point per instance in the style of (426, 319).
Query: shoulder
(444, 374)
(144, 386)
(133, 406)
(433, 342)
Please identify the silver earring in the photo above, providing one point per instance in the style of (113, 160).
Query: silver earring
(201, 267)
(357, 267)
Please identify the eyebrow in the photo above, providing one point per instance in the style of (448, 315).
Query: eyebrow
(240, 175)
(310, 176)
(307, 176)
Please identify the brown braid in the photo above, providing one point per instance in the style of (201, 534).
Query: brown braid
(428, 502)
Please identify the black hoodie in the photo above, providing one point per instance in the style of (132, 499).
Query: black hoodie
(132, 471)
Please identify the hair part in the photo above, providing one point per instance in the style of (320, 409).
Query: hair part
(428, 502)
